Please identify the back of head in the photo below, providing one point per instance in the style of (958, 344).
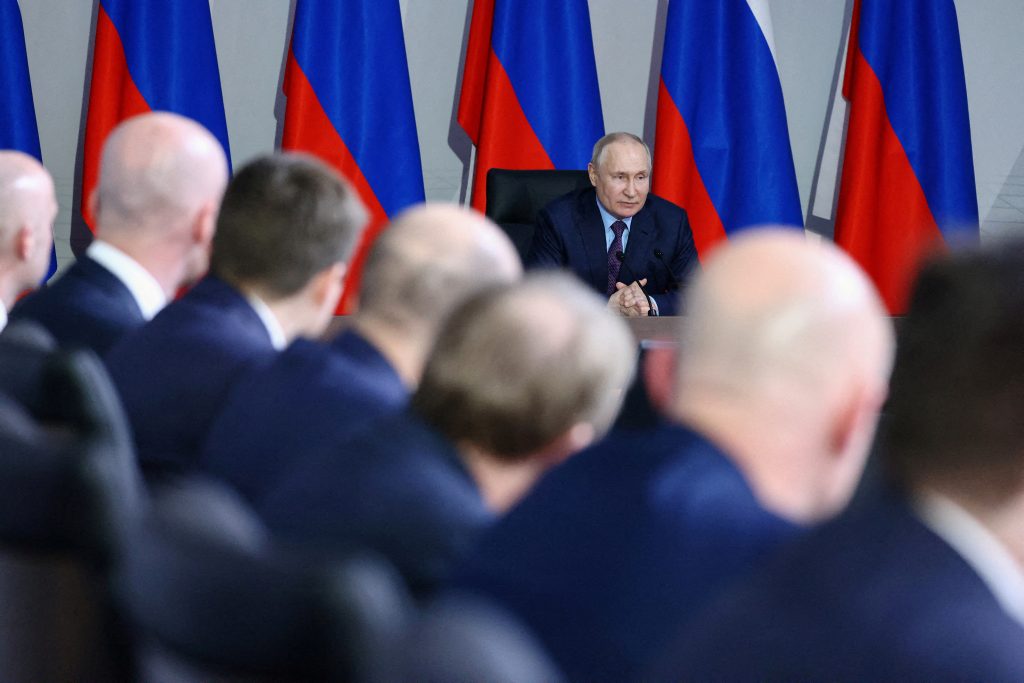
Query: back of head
(28, 207)
(518, 366)
(958, 385)
(785, 359)
(428, 261)
(157, 171)
(284, 219)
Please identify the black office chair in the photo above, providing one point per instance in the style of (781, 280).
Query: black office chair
(69, 489)
(514, 198)
(463, 638)
(215, 599)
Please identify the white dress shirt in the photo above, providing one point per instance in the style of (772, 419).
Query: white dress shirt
(144, 288)
(277, 338)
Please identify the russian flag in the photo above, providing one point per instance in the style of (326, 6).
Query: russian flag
(350, 103)
(17, 109)
(150, 55)
(529, 98)
(721, 144)
(908, 172)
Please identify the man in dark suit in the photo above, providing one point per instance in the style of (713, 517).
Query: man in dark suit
(924, 582)
(284, 232)
(619, 239)
(161, 179)
(28, 207)
(517, 381)
(314, 395)
(786, 356)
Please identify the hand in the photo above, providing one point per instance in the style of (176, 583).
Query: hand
(629, 300)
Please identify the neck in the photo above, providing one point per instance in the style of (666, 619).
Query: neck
(501, 484)
(774, 456)
(168, 268)
(291, 313)
(404, 349)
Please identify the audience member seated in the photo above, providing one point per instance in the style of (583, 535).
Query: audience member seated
(28, 207)
(314, 395)
(285, 229)
(620, 240)
(924, 582)
(161, 178)
(518, 380)
(785, 357)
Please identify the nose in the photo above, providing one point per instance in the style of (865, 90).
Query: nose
(630, 190)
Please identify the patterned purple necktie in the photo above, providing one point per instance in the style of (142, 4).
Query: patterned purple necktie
(614, 256)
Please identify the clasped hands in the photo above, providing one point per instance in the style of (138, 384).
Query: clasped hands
(630, 300)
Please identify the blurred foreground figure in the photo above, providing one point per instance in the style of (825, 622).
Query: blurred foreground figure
(28, 207)
(161, 180)
(783, 364)
(285, 230)
(517, 381)
(926, 581)
(314, 395)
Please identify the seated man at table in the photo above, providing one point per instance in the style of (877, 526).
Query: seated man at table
(518, 380)
(284, 233)
(314, 395)
(923, 581)
(621, 240)
(782, 364)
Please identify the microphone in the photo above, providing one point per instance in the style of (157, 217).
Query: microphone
(673, 283)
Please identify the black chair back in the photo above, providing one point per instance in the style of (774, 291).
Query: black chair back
(514, 198)
(216, 600)
(69, 489)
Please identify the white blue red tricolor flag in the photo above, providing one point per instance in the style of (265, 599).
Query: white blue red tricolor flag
(908, 172)
(529, 98)
(722, 147)
(150, 55)
(17, 110)
(350, 103)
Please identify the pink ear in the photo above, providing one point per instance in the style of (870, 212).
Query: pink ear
(659, 372)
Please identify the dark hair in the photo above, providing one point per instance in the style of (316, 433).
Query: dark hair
(957, 396)
(284, 218)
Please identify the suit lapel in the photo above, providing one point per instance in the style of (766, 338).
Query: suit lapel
(590, 228)
(638, 248)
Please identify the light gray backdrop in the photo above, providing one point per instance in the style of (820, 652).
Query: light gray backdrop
(251, 39)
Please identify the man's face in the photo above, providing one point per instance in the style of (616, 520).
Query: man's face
(622, 179)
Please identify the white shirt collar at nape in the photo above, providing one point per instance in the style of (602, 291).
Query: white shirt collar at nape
(978, 547)
(3, 317)
(277, 336)
(144, 288)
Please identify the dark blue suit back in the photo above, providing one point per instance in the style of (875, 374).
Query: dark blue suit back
(312, 397)
(86, 307)
(175, 373)
(398, 488)
(873, 596)
(660, 247)
(618, 547)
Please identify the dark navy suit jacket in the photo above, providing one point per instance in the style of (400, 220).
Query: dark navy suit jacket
(570, 233)
(615, 549)
(311, 397)
(398, 488)
(872, 596)
(174, 374)
(85, 307)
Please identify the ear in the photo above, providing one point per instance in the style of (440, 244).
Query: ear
(25, 243)
(571, 441)
(658, 369)
(93, 202)
(327, 285)
(854, 422)
(593, 174)
(204, 224)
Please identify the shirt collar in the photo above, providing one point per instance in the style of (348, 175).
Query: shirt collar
(608, 219)
(978, 547)
(3, 316)
(144, 288)
(269, 320)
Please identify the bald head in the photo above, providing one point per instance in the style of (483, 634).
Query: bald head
(428, 261)
(774, 313)
(157, 171)
(28, 207)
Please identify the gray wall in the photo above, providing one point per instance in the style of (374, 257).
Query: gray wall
(251, 39)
